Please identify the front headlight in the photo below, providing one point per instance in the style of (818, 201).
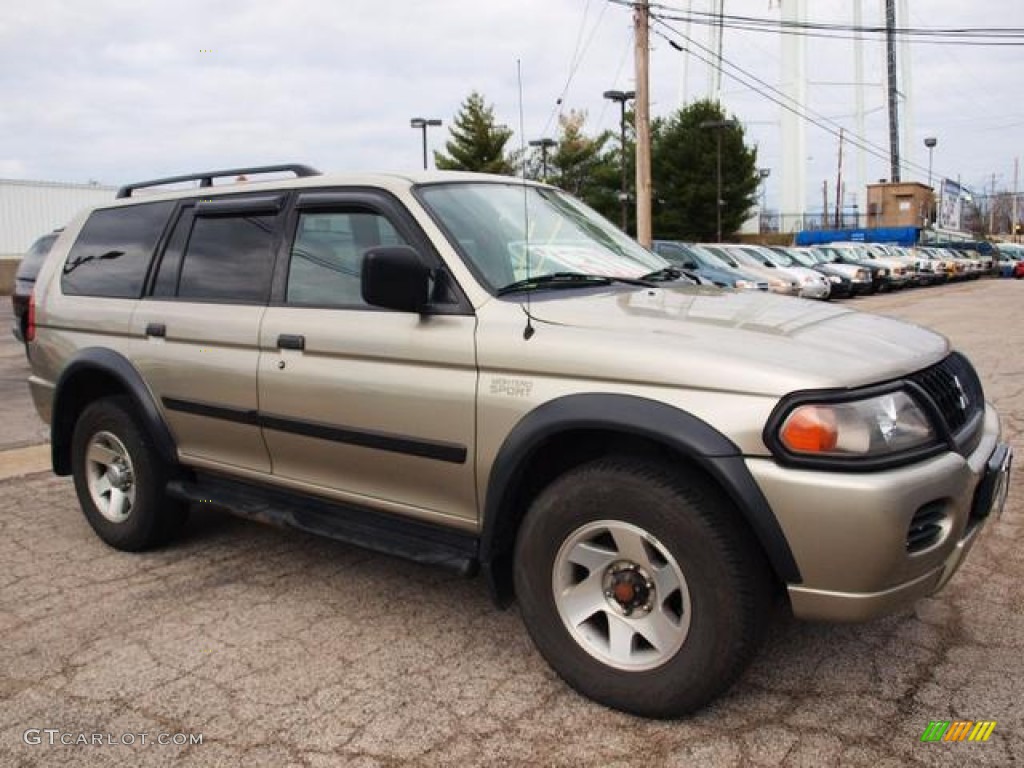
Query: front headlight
(835, 279)
(875, 427)
(745, 285)
(885, 273)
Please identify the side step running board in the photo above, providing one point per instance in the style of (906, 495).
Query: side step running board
(389, 534)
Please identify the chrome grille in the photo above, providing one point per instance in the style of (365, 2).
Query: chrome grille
(955, 389)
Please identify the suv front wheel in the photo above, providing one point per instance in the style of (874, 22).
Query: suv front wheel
(120, 479)
(639, 586)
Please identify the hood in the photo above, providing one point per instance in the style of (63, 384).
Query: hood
(732, 340)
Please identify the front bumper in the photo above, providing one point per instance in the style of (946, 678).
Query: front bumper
(816, 290)
(848, 532)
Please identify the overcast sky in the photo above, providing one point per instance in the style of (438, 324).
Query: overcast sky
(120, 90)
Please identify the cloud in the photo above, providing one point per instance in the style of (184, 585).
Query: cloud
(120, 90)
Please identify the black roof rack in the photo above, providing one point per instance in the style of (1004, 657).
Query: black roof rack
(206, 179)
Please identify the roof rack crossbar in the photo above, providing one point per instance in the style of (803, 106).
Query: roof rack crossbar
(206, 179)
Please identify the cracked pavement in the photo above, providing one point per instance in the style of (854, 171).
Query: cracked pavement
(283, 649)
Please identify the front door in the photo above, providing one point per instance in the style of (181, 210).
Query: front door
(362, 404)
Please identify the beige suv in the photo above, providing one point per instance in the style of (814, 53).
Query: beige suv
(481, 373)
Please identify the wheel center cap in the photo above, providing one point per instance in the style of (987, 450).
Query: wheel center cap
(118, 476)
(628, 589)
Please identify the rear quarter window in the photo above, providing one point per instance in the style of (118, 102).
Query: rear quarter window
(112, 253)
(33, 259)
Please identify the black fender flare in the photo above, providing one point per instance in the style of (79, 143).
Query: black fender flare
(681, 431)
(99, 360)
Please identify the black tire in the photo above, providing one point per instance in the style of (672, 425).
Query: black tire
(110, 427)
(729, 585)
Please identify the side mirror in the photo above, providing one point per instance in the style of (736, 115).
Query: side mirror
(395, 278)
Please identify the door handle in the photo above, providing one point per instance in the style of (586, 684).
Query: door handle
(156, 329)
(291, 341)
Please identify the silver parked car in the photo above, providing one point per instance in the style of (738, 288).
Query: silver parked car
(778, 282)
(811, 284)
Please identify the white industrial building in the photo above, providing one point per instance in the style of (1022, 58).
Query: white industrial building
(29, 209)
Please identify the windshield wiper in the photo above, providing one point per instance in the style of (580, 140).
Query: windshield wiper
(667, 274)
(567, 280)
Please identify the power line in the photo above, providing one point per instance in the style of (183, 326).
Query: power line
(765, 90)
(967, 36)
(575, 62)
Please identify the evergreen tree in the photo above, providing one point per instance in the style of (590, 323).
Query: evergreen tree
(477, 143)
(684, 160)
(583, 165)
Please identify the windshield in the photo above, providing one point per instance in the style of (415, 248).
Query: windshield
(750, 258)
(722, 254)
(801, 257)
(780, 259)
(508, 232)
(708, 259)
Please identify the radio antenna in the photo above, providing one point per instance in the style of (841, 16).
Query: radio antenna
(529, 330)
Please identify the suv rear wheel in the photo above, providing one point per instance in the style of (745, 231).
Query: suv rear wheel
(120, 478)
(639, 586)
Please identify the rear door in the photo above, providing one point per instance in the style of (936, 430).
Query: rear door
(201, 323)
(359, 403)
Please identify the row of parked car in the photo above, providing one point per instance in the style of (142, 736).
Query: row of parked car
(833, 271)
(836, 270)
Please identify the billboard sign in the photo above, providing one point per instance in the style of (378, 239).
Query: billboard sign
(950, 214)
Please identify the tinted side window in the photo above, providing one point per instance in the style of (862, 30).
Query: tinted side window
(166, 283)
(113, 250)
(326, 264)
(33, 259)
(229, 258)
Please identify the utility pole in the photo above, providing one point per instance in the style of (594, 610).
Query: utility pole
(839, 181)
(992, 208)
(716, 73)
(642, 104)
(894, 109)
(1016, 181)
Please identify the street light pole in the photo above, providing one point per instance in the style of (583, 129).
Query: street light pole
(622, 97)
(930, 142)
(718, 126)
(545, 144)
(422, 123)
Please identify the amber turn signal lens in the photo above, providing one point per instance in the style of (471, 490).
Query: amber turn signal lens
(810, 429)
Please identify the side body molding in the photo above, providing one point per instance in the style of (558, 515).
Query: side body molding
(92, 371)
(677, 430)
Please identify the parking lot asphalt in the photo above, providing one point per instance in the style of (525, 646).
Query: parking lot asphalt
(277, 648)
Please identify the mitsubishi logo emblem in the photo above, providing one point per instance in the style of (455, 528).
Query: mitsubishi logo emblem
(962, 400)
